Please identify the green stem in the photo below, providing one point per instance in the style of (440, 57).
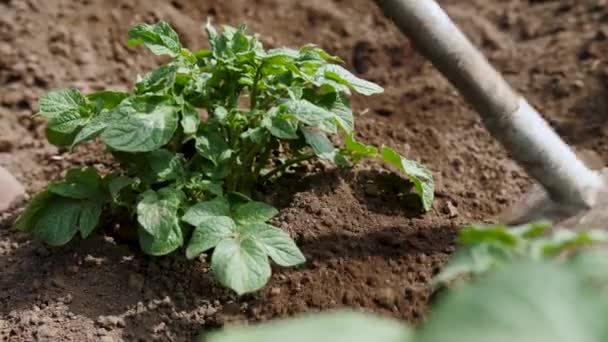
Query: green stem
(286, 165)
(254, 89)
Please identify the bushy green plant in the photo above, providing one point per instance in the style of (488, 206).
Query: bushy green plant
(195, 138)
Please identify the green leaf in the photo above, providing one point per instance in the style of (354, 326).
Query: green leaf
(160, 38)
(117, 184)
(65, 102)
(319, 142)
(161, 246)
(282, 126)
(145, 130)
(190, 119)
(418, 174)
(341, 75)
(158, 80)
(107, 99)
(27, 220)
(341, 326)
(89, 217)
(339, 106)
(209, 233)
(307, 112)
(524, 301)
(165, 165)
(92, 128)
(157, 212)
(58, 221)
(67, 123)
(240, 264)
(253, 212)
(357, 150)
(277, 244)
(59, 138)
(200, 212)
(475, 234)
(79, 184)
(212, 147)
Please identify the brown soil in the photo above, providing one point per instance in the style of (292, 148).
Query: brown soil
(365, 248)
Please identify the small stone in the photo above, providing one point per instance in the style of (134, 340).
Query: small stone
(107, 339)
(275, 291)
(12, 192)
(46, 332)
(93, 261)
(450, 210)
(372, 190)
(110, 322)
(386, 297)
(136, 281)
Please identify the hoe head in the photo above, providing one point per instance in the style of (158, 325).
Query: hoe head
(536, 204)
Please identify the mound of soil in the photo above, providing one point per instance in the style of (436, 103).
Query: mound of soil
(366, 247)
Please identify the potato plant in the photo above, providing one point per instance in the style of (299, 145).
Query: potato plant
(194, 139)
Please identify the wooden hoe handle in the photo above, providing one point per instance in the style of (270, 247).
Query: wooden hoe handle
(507, 115)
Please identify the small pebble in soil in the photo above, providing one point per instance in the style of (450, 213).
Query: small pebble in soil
(12, 192)
(372, 190)
(386, 297)
(450, 210)
(90, 260)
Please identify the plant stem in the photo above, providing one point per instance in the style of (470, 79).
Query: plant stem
(286, 165)
(508, 116)
(254, 89)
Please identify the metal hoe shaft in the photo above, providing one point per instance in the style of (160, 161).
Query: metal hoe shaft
(507, 115)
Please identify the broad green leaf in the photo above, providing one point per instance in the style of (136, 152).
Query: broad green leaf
(307, 112)
(321, 53)
(525, 302)
(563, 240)
(474, 234)
(27, 220)
(190, 119)
(161, 246)
(158, 80)
(79, 184)
(319, 142)
(357, 150)
(277, 244)
(67, 123)
(58, 221)
(160, 38)
(107, 99)
(117, 184)
(92, 128)
(142, 131)
(212, 147)
(339, 106)
(343, 76)
(282, 126)
(418, 174)
(340, 326)
(209, 233)
(254, 211)
(157, 212)
(165, 165)
(240, 264)
(59, 138)
(200, 212)
(62, 102)
(89, 217)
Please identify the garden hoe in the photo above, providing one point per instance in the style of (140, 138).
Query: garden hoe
(571, 194)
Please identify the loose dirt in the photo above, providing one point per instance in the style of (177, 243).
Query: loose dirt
(367, 248)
